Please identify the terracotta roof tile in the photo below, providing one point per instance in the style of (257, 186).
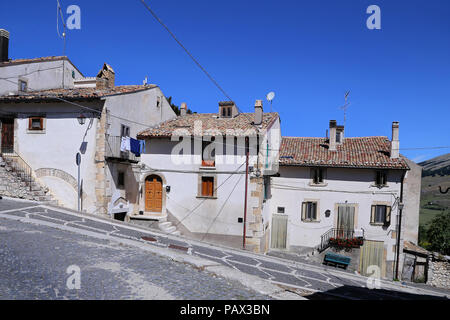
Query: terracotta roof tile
(361, 152)
(73, 94)
(209, 121)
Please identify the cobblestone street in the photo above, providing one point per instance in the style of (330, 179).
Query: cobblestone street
(34, 260)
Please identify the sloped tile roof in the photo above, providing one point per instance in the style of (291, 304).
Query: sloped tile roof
(73, 94)
(210, 122)
(361, 152)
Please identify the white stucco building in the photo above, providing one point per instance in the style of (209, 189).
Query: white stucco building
(194, 172)
(341, 187)
(49, 112)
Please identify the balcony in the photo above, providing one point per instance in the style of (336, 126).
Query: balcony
(112, 150)
(341, 239)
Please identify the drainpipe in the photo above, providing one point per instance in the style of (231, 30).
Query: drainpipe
(399, 231)
(246, 187)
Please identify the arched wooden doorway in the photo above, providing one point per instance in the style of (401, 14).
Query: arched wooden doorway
(153, 194)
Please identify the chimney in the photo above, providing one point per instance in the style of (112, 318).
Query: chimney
(4, 44)
(258, 112)
(105, 77)
(227, 109)
(332, 140)
(183, 109)
(395, 143)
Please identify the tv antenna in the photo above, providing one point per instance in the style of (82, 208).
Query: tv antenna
(270, 96)
(59, 13)
(345, 106)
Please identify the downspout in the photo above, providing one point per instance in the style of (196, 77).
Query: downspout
(399, 231)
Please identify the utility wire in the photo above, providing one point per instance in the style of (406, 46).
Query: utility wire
(221, 209)
(192, 57)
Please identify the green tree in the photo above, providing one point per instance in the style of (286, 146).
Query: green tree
(438, 233)
(175, 108)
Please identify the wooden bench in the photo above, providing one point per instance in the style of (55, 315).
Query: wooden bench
(336, 259)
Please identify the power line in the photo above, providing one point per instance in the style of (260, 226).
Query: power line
(192, 57)
(223, 206)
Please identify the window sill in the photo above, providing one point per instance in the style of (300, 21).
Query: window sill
(36, 131)
(379, 186)
(207, 168)
(311, 221)
(312, 184)
(206, 197)
(378, 224)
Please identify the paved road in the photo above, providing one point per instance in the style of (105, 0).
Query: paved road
(314, 282)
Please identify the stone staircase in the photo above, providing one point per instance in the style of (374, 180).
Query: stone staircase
(168, 227)
(16, 182)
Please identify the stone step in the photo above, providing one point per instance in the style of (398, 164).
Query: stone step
(169, 229)
(164, 225)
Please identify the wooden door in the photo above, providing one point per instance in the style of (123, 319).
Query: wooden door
(153, 194)
(7, 135)
(372, 254)
(345, 221)
(279, 231)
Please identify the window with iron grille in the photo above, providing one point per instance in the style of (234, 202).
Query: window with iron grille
(318, 175)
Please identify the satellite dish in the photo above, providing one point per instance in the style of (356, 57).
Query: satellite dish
(270, 96)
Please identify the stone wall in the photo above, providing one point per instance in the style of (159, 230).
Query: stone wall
(439, 271)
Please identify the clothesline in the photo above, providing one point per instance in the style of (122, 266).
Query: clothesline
(135, 146)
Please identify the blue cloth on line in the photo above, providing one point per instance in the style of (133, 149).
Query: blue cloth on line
(142, 146)
(135, 147)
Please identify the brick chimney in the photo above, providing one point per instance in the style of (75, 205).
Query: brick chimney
(4, 44)
(105, 78)
(332, 143)
(183, 109)
(258, 112)
(395, 143)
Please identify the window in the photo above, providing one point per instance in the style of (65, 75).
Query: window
(23, 85)
(226, 112)
(380, 214)
(309, 211)
(120, 179)
(207, 186)
(36, 123)
(318, 175)
(381, 178)
(208, 154)
(124, 131)
(338, 137)
(280, 209)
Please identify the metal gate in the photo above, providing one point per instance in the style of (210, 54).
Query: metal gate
(279, 231)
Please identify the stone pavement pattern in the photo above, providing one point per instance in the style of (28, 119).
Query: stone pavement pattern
(34, 260)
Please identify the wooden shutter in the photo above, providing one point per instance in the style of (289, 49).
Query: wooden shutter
(314, 210)
(387, 218)
(30, 123)
(304, 204)
(372, 214)
(208, 186)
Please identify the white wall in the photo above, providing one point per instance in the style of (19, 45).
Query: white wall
(40, 75)
(354, 186)
(57, 146)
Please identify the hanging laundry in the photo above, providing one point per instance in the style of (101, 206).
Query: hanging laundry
(125, 144)
(135, 147)
(142, 146)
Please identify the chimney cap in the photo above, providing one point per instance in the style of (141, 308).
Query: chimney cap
(258, 103)
(4, 33)
(226, 103)
(333, 123)
(395, 124)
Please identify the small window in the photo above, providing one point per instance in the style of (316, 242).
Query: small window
(338, 137)
(381, 214)
(158, 102)
(309, 211)
(36, 123)
(207, 186)
(226, 112)
(280, 209)
(124, 131)
(121, 179)
(208, 154)
(317, 175)
(381, 178)
(23, 86)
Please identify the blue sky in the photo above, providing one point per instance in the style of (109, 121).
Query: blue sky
(309, 52)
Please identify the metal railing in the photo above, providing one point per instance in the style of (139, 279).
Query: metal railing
(18, 166)
(336, 233)
(113, 150)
